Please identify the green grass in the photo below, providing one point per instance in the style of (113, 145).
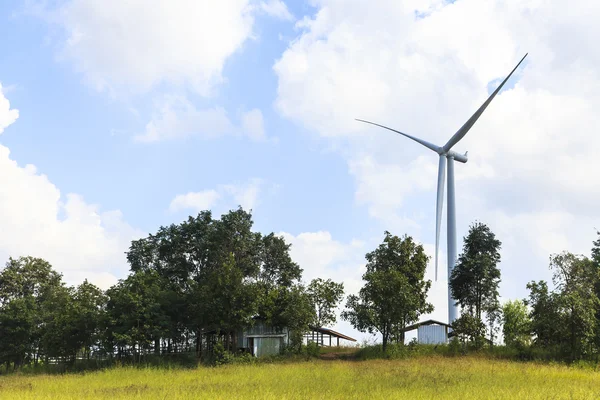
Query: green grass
(421, 378)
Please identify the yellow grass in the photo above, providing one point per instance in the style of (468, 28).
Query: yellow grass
(419, 378)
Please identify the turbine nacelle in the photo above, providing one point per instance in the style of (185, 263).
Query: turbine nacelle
(456, 156)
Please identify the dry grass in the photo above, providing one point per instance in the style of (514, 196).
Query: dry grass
(418, 378)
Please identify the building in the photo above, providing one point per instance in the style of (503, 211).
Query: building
(430, 332)
(323, 336)
(263, 340)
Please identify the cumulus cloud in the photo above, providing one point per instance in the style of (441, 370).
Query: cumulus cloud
(223, 197)
(76, 237)
(7, 115)
(134, 46)
(198, 201)
(276, 9)
(424, 68)
(175, 117)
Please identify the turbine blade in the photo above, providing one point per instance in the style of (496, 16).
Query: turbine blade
(439, 208)
(469, 124)
(423, 142)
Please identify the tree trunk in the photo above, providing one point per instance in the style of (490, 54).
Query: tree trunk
(198, 343)
(385, 340)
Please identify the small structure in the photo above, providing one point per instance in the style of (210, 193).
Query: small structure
(430, 332)
(313, 336)
(263, 340)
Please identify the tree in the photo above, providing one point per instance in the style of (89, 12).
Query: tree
(136, 317)
(469, 327)
(475, 278)
(575, 278)
(516, 325)
(395, 292)
(546, 315)
(326, 295)
(26, 284)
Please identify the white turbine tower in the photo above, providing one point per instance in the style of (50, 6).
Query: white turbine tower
(447, 156)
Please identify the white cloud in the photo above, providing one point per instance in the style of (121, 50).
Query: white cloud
(175, 117)
(277, 9)
(77, 238)
(532, 173)
(136, 45)
(198, 201)
(222, 198)
(74, 236)
(7, 115)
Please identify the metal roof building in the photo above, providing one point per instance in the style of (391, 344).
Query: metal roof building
(431, 331)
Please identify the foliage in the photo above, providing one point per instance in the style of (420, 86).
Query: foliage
(326, 295)
(475, 278)
(516, 325)
(395, 291)
(27, 286)
(546, 316)
(575, 278)
(474, 282)
(470, 328)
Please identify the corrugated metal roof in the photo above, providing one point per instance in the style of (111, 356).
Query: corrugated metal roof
(428, 322)
(330, 332)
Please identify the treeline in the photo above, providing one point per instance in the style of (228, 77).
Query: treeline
(196, 284)
(190, 284)
(561, 323)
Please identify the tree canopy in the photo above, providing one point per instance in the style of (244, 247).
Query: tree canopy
(395, 290)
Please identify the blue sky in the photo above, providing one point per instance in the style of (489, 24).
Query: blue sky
(254, 102)
(82, 139)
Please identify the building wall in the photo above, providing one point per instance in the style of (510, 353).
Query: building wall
(268, 346)
(263, 339)
(432, 334)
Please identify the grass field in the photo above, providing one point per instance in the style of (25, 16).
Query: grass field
(418, 378)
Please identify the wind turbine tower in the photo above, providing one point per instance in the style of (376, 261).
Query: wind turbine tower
(448, 157)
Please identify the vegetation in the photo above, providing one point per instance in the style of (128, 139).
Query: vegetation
(395, 291)
(193, 286)
(516, 324)
(326, 295)
(425, 377)
(474, 283)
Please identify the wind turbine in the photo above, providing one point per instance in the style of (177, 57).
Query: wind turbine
(447, 156)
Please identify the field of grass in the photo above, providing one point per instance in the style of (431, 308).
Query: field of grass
(417, 378)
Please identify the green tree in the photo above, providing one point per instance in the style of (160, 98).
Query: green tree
(546, 315)
(135, 315)
(516, 325)
(326, 295)
(575, 278)
(26, 284)
(469, 328)
(395, 291)
(475, 278)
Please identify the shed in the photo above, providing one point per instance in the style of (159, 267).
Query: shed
(263, 340)
(430, 331)
(313, 335)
